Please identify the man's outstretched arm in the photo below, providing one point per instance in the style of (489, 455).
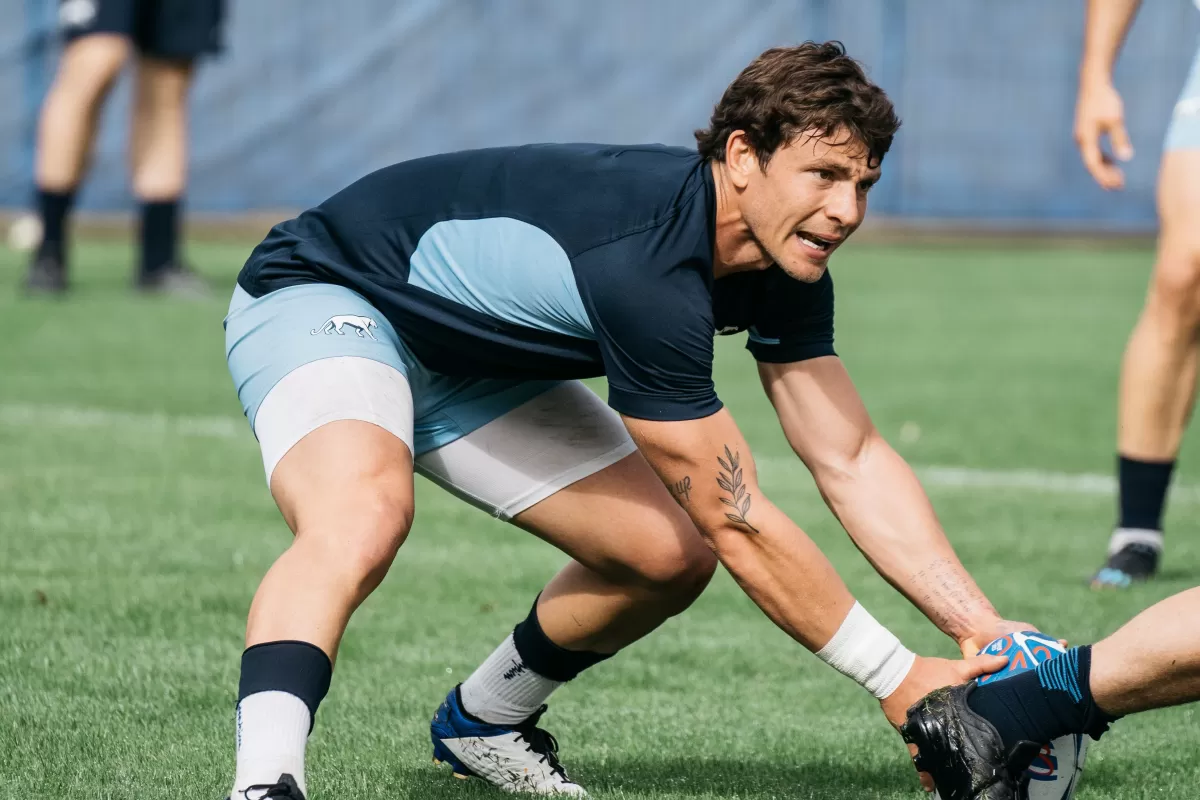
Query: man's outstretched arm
(877, 498)
(708, 468)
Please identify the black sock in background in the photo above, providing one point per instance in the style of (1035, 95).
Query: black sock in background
(53, 207)
(160, 234)
(1143, 492)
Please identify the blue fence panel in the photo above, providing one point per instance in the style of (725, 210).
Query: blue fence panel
(311, 95)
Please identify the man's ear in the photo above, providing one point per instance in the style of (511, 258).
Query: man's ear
(740, 159)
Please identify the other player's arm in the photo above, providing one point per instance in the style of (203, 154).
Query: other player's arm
(877, 498)
(707, 466)
(1099, 111)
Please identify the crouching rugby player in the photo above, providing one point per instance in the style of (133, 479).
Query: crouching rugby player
(436, 315)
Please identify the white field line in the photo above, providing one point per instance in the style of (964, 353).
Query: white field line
(19, 416)
(772, 468)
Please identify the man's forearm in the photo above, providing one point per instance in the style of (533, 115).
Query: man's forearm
(706, 464)
(881, 504)
(790, 579)
(1107, 23)
(785, 574)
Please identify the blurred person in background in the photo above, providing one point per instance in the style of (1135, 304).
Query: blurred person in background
(1158, 372)
(165, 37)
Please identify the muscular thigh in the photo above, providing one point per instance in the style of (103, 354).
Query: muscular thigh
(345, 474)
(621, 523)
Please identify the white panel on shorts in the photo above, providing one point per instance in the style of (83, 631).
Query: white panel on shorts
(533, 451)
(328, 390)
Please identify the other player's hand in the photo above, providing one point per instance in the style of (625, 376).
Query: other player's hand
(1099, 112)
(926, 675)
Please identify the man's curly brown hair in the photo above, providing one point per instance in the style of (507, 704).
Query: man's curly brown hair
(811, 88)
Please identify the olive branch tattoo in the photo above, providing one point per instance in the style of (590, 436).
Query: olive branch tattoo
(730, 479)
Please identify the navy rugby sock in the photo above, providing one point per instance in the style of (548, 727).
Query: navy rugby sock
(54, 208)
(1143, 486)
(282, 685)
(1044, 703)
(545, 657)
(160, 234)
(298, 668)
(520, 674)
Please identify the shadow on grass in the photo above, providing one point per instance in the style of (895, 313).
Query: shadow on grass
(704, 777)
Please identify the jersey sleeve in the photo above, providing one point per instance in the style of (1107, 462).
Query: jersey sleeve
(793, 320)
(654, 325)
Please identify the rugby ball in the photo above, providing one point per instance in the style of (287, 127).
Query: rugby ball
(1056, 771)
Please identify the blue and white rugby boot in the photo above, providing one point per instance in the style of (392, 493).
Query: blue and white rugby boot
(515, 758)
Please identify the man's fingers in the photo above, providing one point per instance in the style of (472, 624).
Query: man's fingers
(975, 666)
(1119, 137)
(1098, 164)
(926, 779)
(1089, 149)
(1093, 157)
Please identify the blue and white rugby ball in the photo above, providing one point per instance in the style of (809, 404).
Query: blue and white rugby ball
(1058, 768)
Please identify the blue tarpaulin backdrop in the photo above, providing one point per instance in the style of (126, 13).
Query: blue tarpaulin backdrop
(311, 95)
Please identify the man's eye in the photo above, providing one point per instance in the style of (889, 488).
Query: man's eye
(824, 174)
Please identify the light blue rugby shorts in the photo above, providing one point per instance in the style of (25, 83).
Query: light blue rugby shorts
(1184, 131)
(268, 337)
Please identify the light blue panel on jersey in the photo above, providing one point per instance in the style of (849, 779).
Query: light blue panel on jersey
(502, 267)
(1184, 132)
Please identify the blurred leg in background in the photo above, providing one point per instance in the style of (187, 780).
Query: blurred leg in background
(168, 35)
(172, 35)
(41, 25)
(97, 47)
(158, 161)
(1158, 373)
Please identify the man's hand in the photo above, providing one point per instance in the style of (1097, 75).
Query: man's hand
(1099, 112)
(926, 675)
(988, 633)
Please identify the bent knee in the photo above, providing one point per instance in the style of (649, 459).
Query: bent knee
(682, 570)
(357, 533)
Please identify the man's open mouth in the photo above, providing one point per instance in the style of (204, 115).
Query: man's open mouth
(814, 242)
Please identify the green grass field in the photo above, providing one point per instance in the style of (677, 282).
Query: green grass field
(134, 526)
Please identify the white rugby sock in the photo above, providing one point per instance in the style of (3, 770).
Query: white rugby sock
(503, 690)
(272, 730)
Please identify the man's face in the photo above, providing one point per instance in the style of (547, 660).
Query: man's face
(811, 196)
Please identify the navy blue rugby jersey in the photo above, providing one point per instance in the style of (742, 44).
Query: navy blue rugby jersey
(551, 262)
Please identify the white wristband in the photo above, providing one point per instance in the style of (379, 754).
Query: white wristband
(869, 653)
